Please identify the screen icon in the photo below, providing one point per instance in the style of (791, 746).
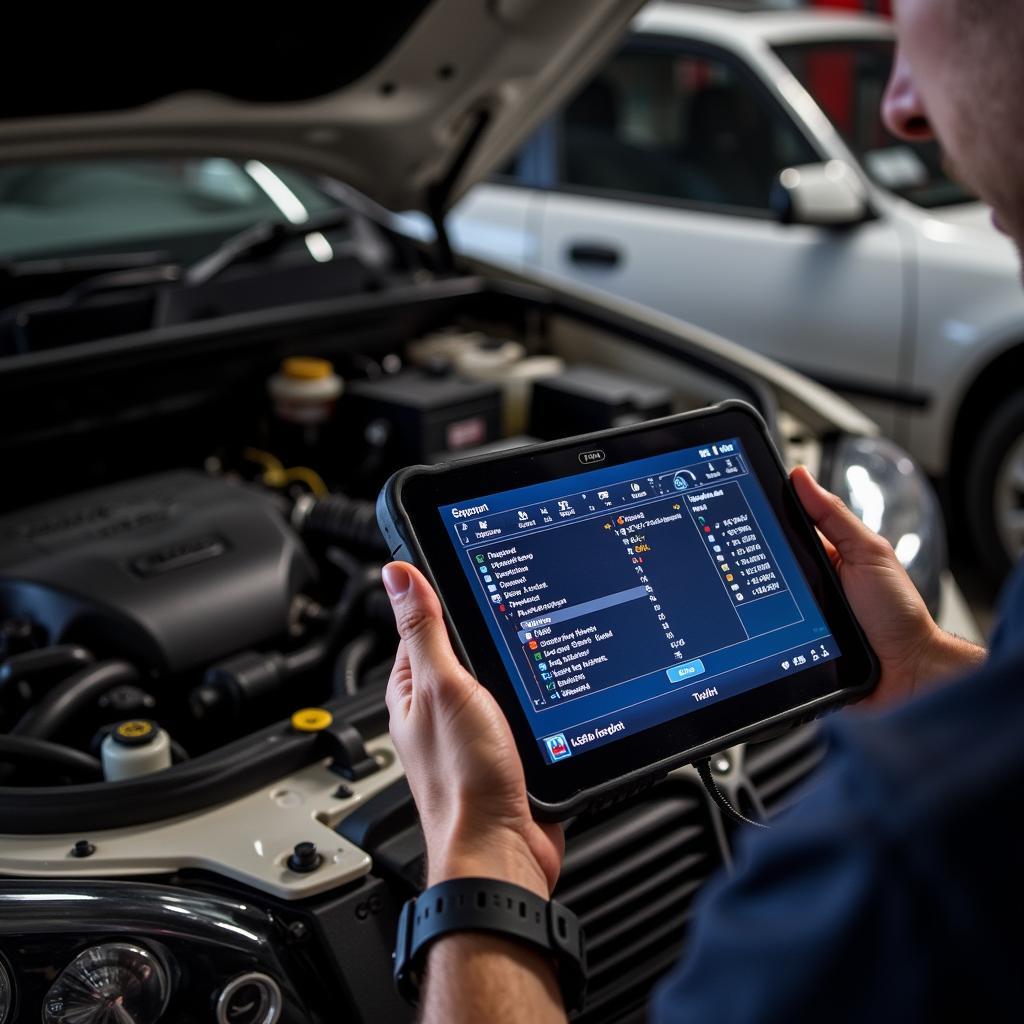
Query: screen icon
(496, 598)
(785, 665)
(558, 747)
(487, 579)
(527, 636)
(491, 588)
(522, 516)
(533, 645)
(564, 506)
(482, 523)
(544, 512)
(480, 559)
(546, 676)
(537, 656)
(602, 495)
(543, 666)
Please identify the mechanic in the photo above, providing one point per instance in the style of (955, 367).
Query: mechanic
(893, 891)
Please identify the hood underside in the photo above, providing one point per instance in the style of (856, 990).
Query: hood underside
(409, 102)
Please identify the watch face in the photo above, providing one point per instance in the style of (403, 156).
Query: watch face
(626, 614)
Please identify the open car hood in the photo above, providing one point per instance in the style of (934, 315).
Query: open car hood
(409, 101)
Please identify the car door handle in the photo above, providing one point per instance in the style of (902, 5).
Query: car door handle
(594, 254)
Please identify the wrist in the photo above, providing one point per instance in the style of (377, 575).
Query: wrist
(944, 656)
(501, 855)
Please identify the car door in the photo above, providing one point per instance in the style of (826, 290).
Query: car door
(665, 166)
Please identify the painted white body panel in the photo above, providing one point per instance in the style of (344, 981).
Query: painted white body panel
(914, 302)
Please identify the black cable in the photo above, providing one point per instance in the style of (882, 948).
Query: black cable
(350, 661)
(72, 697)
(34, 753)
(703, 767)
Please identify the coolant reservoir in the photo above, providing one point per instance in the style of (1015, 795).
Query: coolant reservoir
(503, 363)
(133, 748)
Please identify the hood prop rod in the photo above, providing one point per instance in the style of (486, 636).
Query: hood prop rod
(438, 193)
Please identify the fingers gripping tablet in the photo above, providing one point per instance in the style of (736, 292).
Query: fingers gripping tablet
(634, 599)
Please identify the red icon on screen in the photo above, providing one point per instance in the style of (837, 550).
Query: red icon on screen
(534, 645)
(707, 529)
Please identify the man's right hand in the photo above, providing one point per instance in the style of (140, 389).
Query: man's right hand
(911, 647)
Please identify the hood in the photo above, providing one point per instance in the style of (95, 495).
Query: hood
(409, 102)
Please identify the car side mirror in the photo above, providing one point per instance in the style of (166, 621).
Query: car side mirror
(827, 195)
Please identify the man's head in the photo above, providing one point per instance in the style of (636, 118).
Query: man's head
(959, 76)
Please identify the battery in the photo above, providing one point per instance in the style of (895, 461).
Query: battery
(417, 414)
(586, 398)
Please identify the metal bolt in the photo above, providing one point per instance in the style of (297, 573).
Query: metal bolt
(722, 764)
(297, 931)
(304, 858)
(83, 848)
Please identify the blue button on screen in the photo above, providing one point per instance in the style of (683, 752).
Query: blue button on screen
(677, 673)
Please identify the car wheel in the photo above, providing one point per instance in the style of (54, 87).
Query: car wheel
(995, 489)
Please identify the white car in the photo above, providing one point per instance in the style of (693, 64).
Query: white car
(864, 265)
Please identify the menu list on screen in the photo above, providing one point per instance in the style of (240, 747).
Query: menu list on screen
(624, 597)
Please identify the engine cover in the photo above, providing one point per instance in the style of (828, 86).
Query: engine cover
(170, 571)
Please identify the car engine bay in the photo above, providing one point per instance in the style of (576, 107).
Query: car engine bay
(188, 540)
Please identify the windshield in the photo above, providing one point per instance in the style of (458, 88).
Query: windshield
(848, 80)
(181, 207)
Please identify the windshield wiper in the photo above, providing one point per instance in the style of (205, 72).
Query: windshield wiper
(28, 279)
(260, 240)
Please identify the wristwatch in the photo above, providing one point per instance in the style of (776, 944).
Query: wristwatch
(500, 908)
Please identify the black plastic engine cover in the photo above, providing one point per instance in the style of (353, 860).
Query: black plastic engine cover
(171, 571)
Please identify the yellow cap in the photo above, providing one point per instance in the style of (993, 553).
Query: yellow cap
(136, 727)
(134, 732)
(312, 720)
(306, 368)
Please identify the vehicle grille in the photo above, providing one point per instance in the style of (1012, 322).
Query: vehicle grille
(777, 768)
(631, 875)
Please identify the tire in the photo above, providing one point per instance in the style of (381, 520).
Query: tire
(994, 496)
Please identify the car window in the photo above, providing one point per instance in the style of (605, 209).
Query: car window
(848, 82)
(182, 207)
(691, 127)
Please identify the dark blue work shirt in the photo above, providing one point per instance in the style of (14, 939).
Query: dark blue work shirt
(895, 890)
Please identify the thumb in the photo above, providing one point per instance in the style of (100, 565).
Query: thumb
(420, 622)
(831, 516)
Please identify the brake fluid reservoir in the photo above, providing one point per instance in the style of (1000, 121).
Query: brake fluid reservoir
(133, 748)
(304, 391)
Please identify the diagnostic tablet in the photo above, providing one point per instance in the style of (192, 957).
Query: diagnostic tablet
(634, 599)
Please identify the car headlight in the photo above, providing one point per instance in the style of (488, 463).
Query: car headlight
(883, 485)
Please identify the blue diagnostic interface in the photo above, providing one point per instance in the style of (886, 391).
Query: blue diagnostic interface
(624, 597)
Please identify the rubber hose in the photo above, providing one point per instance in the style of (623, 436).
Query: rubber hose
(72, 697)
(29, 664)
(24, 750)
(347, 521)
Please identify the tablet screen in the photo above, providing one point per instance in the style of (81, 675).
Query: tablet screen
(622, 598)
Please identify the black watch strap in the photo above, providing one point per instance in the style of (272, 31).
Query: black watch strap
(486, 905)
